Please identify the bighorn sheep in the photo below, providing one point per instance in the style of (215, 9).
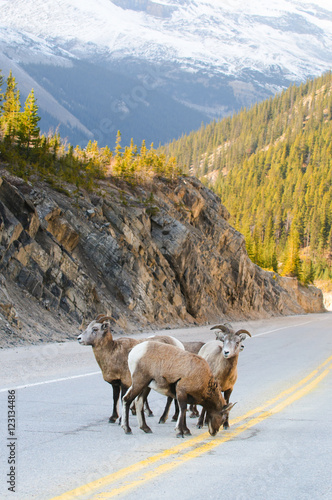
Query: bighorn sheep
(222, 356)
(177, 374)
(112, 355)
(193, 347)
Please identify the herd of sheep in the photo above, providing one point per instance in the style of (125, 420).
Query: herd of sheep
(194, 373)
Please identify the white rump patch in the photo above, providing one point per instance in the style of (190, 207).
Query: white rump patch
(136, 354)
(178, 343)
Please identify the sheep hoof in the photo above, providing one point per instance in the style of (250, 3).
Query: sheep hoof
(147, 430)
(112, 420)
(174, 419)
(128, 431)
(187, 432)
(162, 421)
(150, 414)
(180, 435)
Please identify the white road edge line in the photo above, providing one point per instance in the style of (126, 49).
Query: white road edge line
(98, 373)
(49, 381)
(283, 328)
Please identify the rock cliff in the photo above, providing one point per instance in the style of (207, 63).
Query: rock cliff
(159, 255)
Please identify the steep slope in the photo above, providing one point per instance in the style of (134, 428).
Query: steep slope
(198, 60)
(162, 255)
(271, 165)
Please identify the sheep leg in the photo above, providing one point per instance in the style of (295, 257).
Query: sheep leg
(200, 422)
(194, 412)
(227, 395)
(127, 399)
(140, 402)
(125, 415)
(116, 395)
(185, 428)
(124, 389)
(164, 416)
(176, 414)
(148, 409)
(133, 408)
(181, 425)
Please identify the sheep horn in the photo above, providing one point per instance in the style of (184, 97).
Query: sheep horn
(243, 331)
(223, 328)
(98, 317)
(102, 318)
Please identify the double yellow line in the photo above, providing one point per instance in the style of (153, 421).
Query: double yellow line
(145, 470)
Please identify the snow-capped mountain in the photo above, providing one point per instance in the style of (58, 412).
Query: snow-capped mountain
(168, 64)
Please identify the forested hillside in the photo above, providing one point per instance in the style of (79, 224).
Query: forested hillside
(28, 153)
(84, 231)
(272, 167)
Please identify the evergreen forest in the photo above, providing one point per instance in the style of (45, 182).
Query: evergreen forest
(270, 164)
(272, 167)
(28, 153)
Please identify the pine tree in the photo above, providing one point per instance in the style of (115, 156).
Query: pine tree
(11, 109)
(292, 265)
(28, 133)
(120, 166)
(1, 94)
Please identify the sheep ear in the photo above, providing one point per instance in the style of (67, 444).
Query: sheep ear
(106, 325)
(228, 407)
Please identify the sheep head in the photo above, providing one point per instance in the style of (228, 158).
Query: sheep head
(97, 330)
(232, 340)
(216, 419)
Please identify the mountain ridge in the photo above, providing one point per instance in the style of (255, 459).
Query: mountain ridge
(210, 59)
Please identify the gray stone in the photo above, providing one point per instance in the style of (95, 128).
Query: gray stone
(168, 263)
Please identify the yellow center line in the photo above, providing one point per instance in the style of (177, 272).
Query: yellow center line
(284, 393)
(148, 476)
(93, 486)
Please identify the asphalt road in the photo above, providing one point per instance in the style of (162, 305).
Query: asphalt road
(278, 447)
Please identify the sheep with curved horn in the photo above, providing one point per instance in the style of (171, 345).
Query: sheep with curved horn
(222, 356)
(181, 375)
(112, 355)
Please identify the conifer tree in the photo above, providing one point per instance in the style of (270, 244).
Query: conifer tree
(292, 265)
(28, 132)
(11, 109)
(120, 166)
(1, 94)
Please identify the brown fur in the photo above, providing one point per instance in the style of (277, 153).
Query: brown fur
(224, 369)
(193, 346)
(112, 356)
(174, 372)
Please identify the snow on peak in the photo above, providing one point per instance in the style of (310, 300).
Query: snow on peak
(226, 36)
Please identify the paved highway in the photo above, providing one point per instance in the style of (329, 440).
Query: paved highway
(278, 447)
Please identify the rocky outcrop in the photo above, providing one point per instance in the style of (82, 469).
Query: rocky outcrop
(162, 255)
